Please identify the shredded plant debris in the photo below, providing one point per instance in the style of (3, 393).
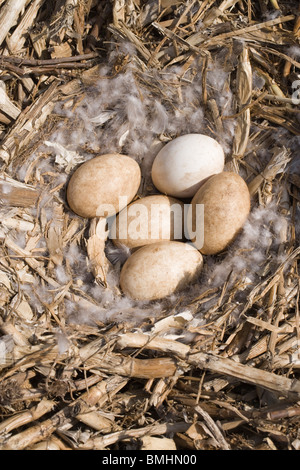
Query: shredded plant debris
(214, 367)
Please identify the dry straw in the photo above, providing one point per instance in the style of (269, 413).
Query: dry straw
(212, 368)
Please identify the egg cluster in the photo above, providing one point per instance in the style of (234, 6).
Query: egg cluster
(163, 231)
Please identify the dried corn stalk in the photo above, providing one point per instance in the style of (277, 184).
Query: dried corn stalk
(100, 392)
(14, 193)
(96, 250)
(243, 98)
(16, 41)
(9, 15)
(7, 106)
(28, 123)
(276, 165)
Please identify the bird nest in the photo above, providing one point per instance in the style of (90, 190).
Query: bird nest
(82, 366)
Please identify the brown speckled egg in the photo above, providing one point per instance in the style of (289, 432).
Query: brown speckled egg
(226, 202)
(103, 185)
(161, 269)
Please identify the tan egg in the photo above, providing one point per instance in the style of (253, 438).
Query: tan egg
(104, 185)
(161, 269)
(149, 220)
(184, 163)
(226, 201)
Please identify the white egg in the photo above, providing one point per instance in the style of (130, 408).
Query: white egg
(184, 163)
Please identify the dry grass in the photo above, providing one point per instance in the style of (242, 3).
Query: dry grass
(111, 385)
